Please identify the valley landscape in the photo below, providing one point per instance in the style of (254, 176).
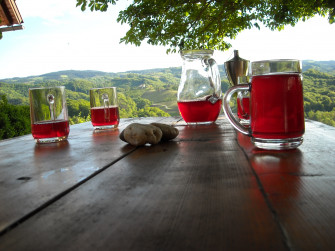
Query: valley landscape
(146, 93)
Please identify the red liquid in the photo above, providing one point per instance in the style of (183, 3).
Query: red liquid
(243, 113)
(50, 129)
(105, 116)
(277, 109)
(199, 111)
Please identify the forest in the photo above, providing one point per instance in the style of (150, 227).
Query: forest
(146, 93)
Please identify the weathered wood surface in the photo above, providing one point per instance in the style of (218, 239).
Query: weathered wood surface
(209, 189)
(299, 186)
(32, 175)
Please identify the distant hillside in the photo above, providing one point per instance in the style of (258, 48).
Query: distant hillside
(59, 75)
(75, 74)
(321, 66)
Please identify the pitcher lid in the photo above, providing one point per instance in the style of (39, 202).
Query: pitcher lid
(237, 57)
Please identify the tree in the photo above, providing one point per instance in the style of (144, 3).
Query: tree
(77, 119)
(141, 103)
(207, 24)
(78, 106)
(127, 106)
(152, 112)
(14, 119)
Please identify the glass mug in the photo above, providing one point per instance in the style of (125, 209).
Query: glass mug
(199, 95)
(276, 105)
(48, 114)
(104, 108)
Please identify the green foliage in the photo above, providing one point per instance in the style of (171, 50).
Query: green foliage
(160, 95)
(319, 66)
(127, 106)
(14, 119)
(324, 117)
(152, 112)
(77, 119)
(319, 96)
(141, 103)
(76, 107)
(206, 24)
(79, 85)
(101, 5)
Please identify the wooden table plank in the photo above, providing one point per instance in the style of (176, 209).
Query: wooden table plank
(197, 192)
(208, 189)
(300, 186)
(33, 175)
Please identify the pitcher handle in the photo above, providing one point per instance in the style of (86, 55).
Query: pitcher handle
(227, 109)
(210, 65)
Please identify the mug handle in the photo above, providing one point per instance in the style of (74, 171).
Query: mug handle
(227, 109)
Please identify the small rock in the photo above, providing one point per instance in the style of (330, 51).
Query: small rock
(139, 134)
(169, 132)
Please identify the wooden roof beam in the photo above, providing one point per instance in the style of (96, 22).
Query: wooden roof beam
(9, 13)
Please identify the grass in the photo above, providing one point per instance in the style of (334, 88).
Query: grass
(163, 99)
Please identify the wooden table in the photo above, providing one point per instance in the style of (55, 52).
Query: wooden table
(209, 189)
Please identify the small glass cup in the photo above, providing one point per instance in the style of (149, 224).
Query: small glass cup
(104, 108)
(48, 114)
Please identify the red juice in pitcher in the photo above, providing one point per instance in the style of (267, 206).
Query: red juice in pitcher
(101, 116)
(277, 110)
(243, 111)
(50, 129)
(199, 111)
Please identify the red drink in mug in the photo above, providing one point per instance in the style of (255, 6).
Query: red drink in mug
(50, 129)
(101, 116)
(280, 115)
(104, 108)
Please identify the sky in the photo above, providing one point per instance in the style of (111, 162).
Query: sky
(57, 36)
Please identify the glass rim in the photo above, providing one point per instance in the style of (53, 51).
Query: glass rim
(101, 88)
(276, 66)
(50, 87)
(276, 60)
(277, 73)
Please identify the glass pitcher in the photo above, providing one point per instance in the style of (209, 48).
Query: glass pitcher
(199, 95)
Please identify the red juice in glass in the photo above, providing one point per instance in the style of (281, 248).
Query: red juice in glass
(199, 111)
(243, 110)
(101, 116)
(277, 110)
(50, 129)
